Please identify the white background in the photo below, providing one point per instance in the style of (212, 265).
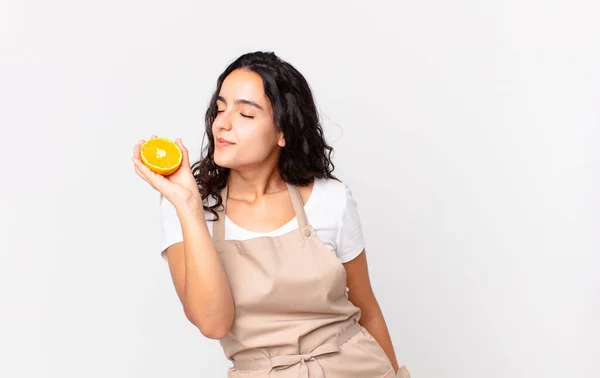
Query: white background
(467, 130)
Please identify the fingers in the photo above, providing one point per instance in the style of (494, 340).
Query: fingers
(140, 168)
(152, 178)
(137, 165)
(136, 148)
(139, 172)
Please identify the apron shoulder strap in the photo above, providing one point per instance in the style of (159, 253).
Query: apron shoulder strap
(219, 225)
(298, 205)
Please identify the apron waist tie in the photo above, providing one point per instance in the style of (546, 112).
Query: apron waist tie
(289, 360)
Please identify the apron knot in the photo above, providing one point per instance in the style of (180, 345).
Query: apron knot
(286, 361)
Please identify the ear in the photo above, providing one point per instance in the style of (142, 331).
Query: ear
(281, 141)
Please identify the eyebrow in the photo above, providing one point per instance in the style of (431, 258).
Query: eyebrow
(241, 101)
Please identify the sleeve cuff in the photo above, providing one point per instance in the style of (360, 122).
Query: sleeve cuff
(351, 256)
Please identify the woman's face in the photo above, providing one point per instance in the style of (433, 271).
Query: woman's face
(244, 130)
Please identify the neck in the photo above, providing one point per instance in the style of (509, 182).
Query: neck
(250, 184)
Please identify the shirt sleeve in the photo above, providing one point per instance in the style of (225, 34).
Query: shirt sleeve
(171, 227)
(350, 240)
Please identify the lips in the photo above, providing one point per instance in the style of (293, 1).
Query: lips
(224, 142)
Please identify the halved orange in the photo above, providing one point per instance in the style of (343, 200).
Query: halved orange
(161, 155)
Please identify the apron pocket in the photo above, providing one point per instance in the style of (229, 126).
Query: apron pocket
(372, 346)
(390, 374)
(359, 357)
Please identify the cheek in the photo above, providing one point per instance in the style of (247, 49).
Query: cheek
(260, 140)
(255, 142)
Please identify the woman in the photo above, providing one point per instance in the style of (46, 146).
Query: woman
(263, 243)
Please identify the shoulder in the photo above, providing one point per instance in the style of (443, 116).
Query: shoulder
(330, 187)
(330, 198)
(171, 226)
(333, 191)
(338, 205)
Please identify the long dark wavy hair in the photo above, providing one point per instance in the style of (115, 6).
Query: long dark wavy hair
(306, 154)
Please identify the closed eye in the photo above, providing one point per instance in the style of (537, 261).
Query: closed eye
(246, 116)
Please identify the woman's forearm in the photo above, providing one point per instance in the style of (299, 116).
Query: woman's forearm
(207, 299)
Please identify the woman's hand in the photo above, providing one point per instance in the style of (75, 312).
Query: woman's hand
(180, 187)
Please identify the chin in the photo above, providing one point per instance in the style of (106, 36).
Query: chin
(223, 161)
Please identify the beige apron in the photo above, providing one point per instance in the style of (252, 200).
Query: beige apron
(293, 318)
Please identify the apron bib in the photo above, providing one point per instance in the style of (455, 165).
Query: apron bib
(293, 318)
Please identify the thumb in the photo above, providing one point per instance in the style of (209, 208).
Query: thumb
(185, 158)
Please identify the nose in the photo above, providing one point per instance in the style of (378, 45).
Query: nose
(222, 122)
